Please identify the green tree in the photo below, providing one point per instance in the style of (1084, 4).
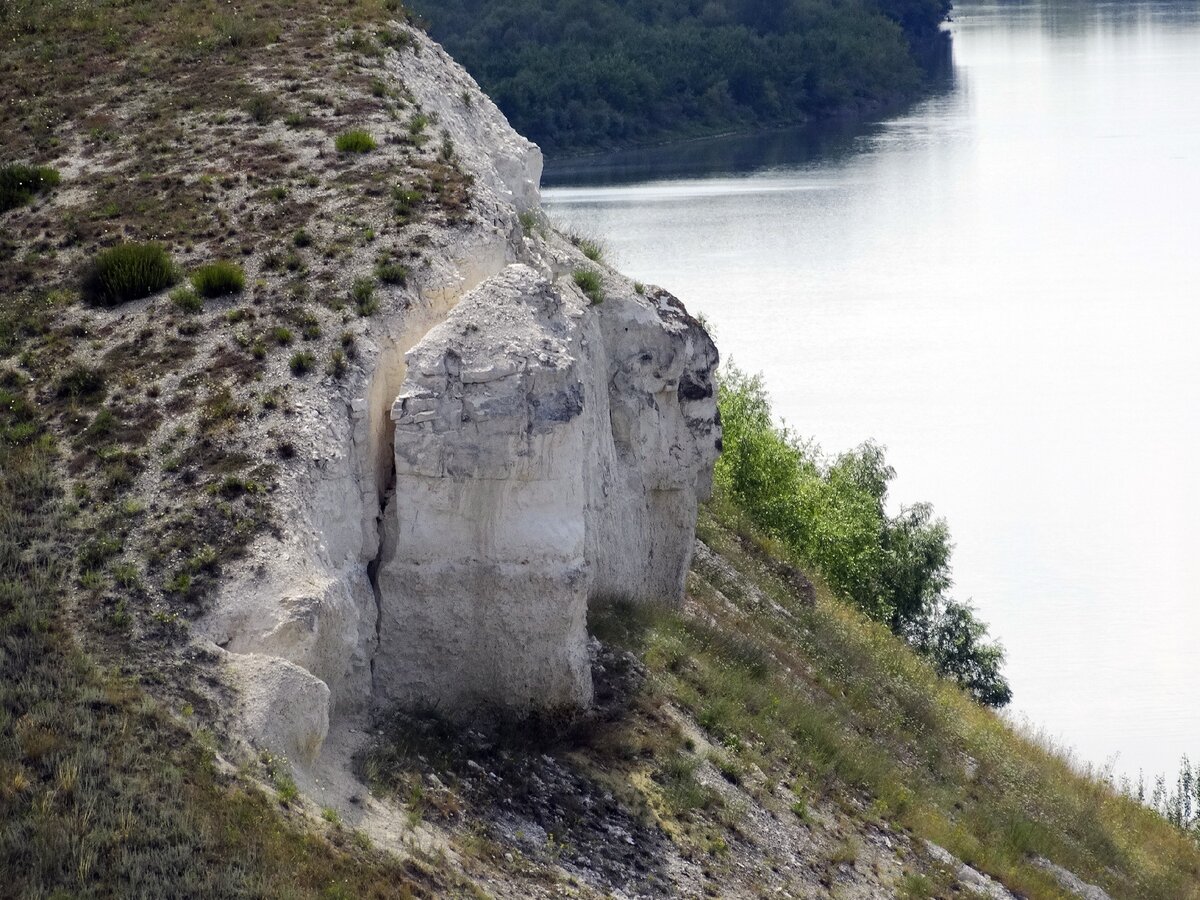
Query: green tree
(833, 515)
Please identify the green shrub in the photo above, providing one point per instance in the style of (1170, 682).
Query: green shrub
(219, 279)
(355, 141)
(19, 183)
(362, 294)
(588, 281)
(391, 273)
(187, 300)
(128, 272)
(301, 363)
(832, 514)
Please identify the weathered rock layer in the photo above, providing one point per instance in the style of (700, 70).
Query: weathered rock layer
(548, 451)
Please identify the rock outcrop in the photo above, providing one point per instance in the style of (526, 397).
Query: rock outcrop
(548, 450)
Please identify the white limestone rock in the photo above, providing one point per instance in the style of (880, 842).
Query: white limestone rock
(548, 451)
(281, 706)
(306, 597)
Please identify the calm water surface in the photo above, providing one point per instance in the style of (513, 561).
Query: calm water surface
(1002, 286)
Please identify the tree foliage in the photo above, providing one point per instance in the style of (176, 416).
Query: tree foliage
(833, 514)
(589, 74)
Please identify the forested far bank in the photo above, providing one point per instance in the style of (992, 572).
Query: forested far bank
(589, 75)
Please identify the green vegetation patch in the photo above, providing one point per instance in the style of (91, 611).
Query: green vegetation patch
(128, 272)
(355, 141)
(219, 279)
(588, 281)
(19, 184)
(830, 513)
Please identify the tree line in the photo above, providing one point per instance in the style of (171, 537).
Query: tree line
(584, 75)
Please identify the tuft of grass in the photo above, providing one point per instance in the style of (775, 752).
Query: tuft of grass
(337, 363)
(391, 273)
(82, 384)
(588, 281)
(261, 108)
(355, 141)
(128, 272)
(362, 295)
(681, 791)
(19, 184)
(529, 221)
(219, 279)
(187, 300)
(418, 124)
(405, 202)
(301, 363)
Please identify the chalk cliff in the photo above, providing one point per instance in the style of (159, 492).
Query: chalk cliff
(547, 450)
(506, 450)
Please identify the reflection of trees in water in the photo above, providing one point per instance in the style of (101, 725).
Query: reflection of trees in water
(826, 140)
(1075, 18)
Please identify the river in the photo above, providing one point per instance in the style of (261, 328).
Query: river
(1001, 285)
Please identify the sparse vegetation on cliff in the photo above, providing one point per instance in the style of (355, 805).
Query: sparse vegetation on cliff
(588, 280)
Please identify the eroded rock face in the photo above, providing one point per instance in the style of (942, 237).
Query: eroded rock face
(548, 452)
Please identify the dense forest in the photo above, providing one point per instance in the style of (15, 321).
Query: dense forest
(580, 75)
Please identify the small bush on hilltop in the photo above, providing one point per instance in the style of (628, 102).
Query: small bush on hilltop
(19, 183)
(128, 272)
(218, 279)
(832, 515)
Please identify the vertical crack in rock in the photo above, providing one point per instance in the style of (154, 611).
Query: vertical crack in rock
(385, 503)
